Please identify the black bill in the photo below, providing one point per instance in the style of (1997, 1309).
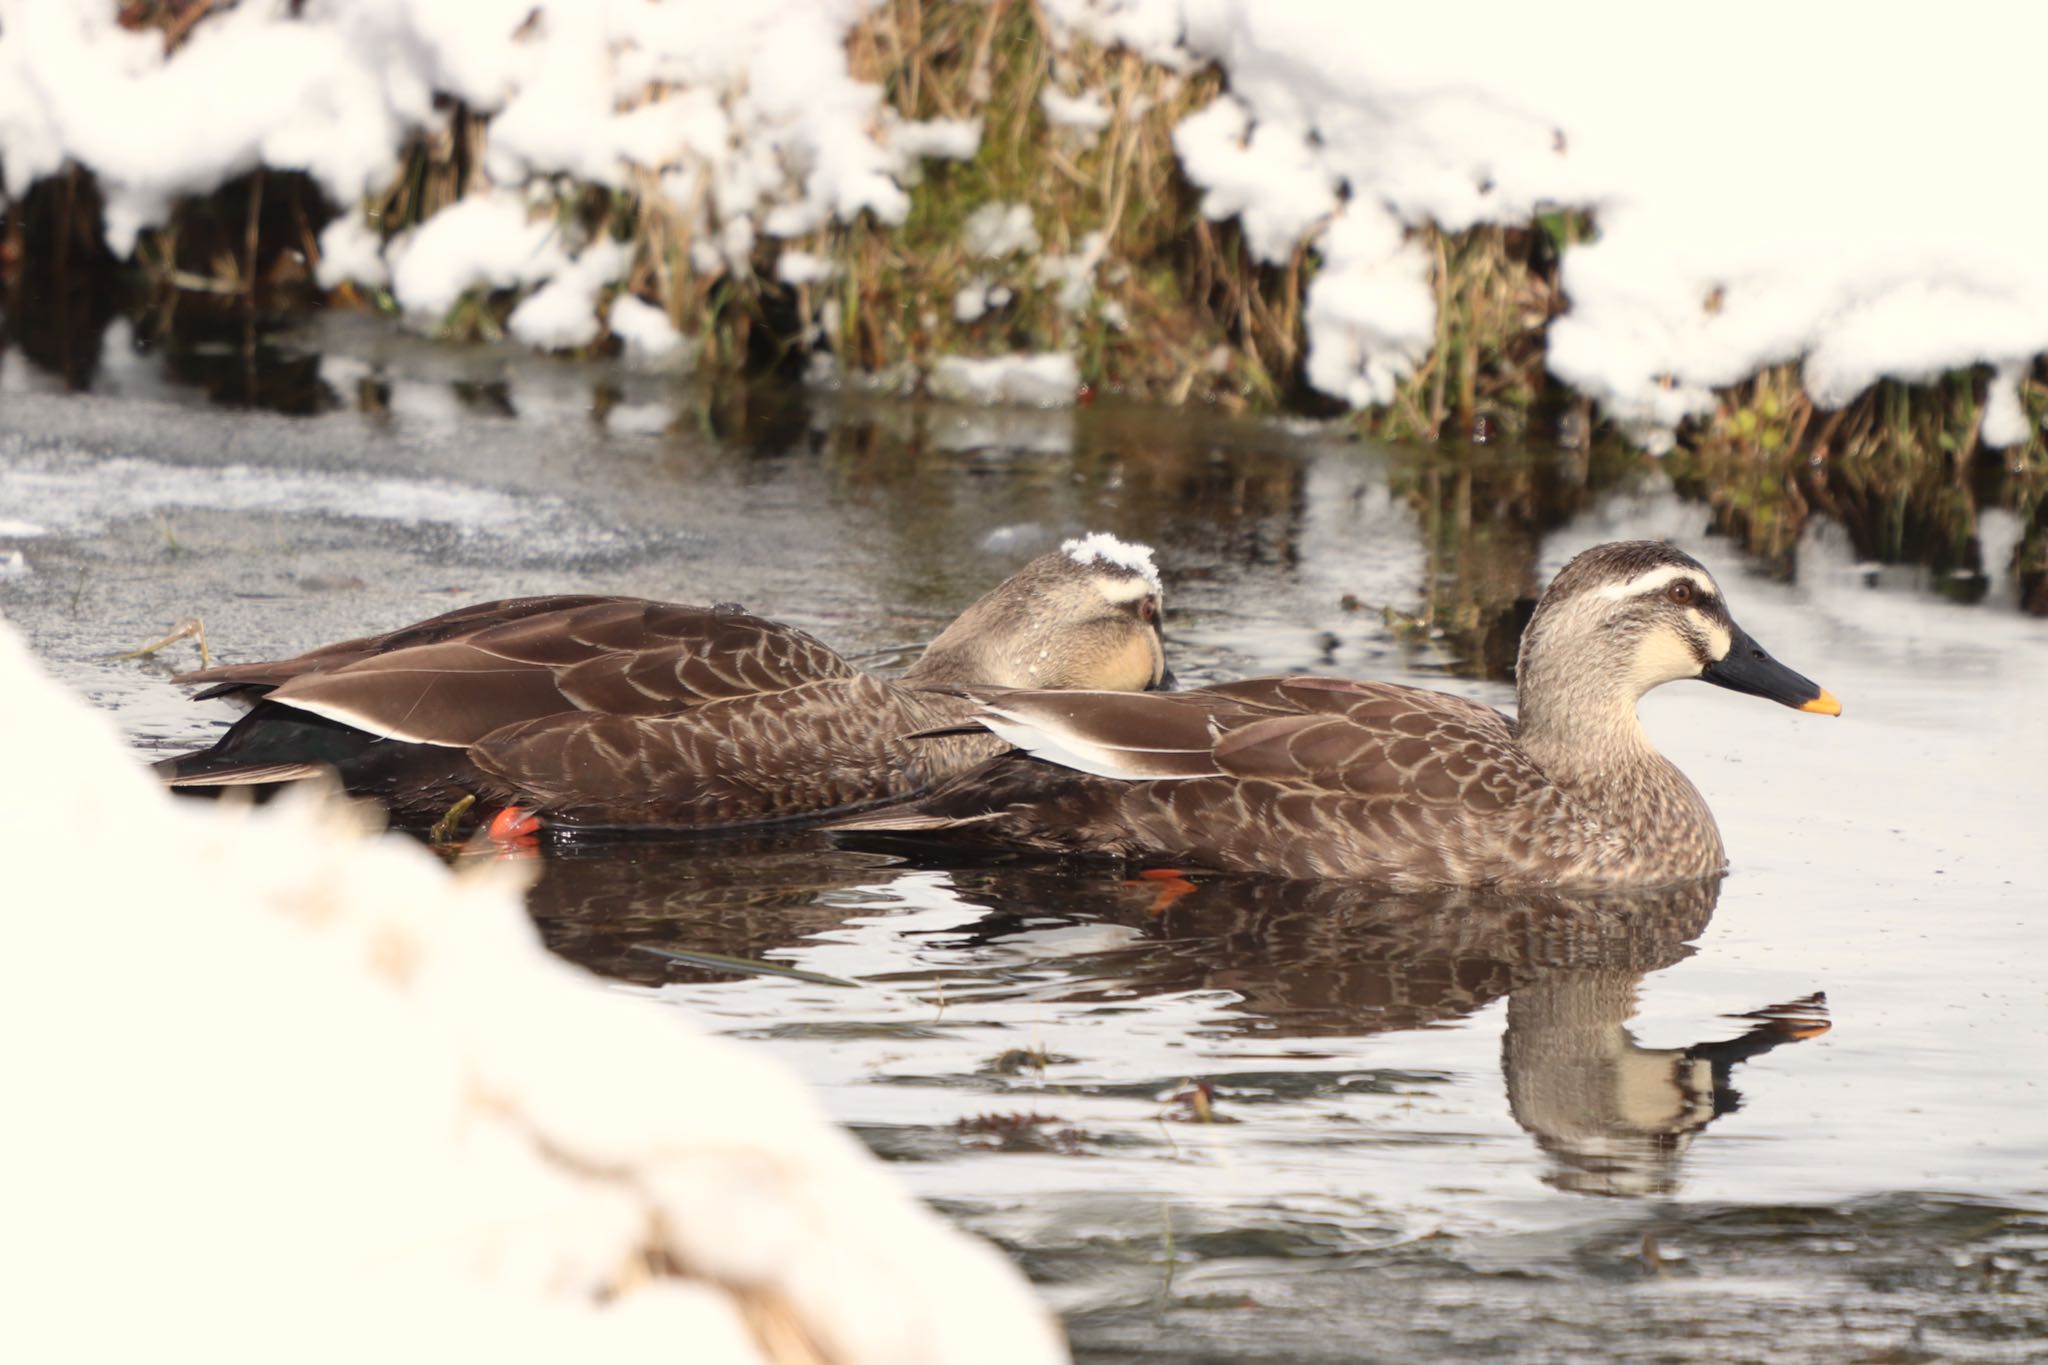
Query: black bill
(1748, 668)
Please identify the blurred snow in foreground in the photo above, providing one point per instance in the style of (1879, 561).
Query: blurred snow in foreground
(1768, 182)
(276, 1089)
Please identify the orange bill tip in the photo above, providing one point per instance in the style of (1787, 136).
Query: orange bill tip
(1824, 704)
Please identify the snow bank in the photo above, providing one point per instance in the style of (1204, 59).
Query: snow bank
(1768, 182)
(1051, 380)
(562, 314)
(649, 337)
(743, 117)
(246, 90)
(997, 230)
(486, 241)
(268, 1072)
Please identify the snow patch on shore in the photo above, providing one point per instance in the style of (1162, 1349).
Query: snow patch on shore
(1768, 185)
(649, 337)
(487, 241)
(1051, 380)
(997, 230)
(562, 314)
(745, 118)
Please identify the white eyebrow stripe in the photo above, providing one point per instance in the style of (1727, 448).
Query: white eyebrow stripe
(1655, 579)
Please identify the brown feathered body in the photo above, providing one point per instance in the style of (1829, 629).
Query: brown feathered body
(1317, 777)
(599, 711)
(620, 711)
(1312, 777)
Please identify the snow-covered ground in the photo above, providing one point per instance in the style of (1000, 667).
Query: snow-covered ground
(1769, 183)
(279, 1089)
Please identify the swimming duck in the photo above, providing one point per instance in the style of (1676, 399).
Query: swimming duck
(619, 711)
(1318, 777)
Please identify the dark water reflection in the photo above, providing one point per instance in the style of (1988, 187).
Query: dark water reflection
(1297, 961)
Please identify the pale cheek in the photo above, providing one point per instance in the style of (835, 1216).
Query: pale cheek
(1145, 662)
(1718, 639)
(1132, 668)
(1663, 658)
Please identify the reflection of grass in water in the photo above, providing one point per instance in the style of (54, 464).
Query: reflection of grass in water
(1901, 468)
(1483, 516)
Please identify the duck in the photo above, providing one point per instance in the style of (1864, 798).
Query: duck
(601, 712)
(1314, 777)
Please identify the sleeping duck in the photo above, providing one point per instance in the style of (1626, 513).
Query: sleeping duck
(622, 712)
(1320, 777)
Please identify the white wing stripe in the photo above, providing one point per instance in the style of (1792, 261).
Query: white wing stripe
(361, 722)
(1071, 750)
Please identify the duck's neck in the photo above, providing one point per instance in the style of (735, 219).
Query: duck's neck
(947, 663)
(1584, 734)
(963, 653)
(968, 650)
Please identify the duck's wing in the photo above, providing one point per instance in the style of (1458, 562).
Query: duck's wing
(826, 745)
(452, 683)
(478, 616)
(1128, 736)
(1318, 731)
(1298, 776)
(1436, 756)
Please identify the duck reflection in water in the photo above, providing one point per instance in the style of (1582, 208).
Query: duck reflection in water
(1302, 959)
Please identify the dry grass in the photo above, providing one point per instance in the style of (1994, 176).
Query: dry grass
(1496, 290)
(1169, 296)
(1177, 311)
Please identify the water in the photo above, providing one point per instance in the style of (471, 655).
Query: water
(1251, 1120)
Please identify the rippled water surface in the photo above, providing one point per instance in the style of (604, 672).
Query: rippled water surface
(1800, 1115)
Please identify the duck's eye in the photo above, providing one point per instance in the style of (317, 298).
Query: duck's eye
(1148, 610)
(1680, 593)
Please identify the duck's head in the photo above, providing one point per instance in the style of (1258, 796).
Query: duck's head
(1086, 616)
(1624, 617)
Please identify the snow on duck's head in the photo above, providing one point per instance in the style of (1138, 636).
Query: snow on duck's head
(1100, 547)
